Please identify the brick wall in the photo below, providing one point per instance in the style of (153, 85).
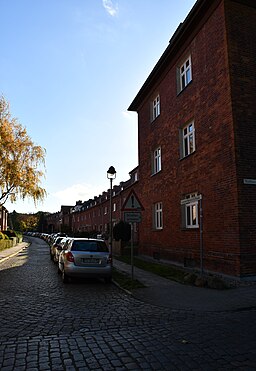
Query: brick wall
(241, 26)
(210, 170)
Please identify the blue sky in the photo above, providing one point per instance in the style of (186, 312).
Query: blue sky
(70, 69)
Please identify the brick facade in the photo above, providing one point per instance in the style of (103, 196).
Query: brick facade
(221, 101)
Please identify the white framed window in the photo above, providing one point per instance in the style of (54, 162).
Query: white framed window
(185, 74)
(190, 211)
(158, 216)
(114, 206)
(188, 143)
(155, 108)
(156, 161)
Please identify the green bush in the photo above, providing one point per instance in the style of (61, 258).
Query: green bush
(122, 231)
(12, 233)
(3, 236)
(5, 244)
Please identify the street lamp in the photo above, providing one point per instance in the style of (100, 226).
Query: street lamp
(111, 174)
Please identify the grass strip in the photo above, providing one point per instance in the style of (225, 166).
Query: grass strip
(125, 281)
(162, 270)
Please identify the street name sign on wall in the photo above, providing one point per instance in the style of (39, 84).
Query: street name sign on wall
(250, 181)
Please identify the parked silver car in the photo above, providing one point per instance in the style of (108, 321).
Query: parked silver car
(85, 257)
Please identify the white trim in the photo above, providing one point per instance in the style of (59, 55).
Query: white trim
(157, 160)
(185, 73)
(155, 108)
(158, 215)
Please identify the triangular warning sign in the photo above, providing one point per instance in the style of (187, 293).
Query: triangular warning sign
(132, 203)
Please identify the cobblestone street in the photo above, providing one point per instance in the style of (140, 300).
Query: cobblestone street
(89, 325)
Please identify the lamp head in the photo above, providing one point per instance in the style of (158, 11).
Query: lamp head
(111, 173)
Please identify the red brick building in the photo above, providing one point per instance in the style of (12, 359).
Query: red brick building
(94, 214)
(196, 138)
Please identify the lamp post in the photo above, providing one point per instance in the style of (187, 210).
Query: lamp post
(111, 174)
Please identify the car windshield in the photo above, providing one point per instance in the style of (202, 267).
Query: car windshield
(95, 246)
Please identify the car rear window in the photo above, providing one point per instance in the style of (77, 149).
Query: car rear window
(94, 246)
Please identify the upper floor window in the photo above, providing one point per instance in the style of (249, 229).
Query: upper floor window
(155, 108)
(188, 139)
(158, 215)
(185, 74)
(156, 164)
(114, 206)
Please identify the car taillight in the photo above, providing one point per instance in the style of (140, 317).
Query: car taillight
(70, 257)
(109, 261)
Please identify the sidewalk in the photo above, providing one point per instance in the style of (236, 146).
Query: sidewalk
(162, 292)
(8, 253)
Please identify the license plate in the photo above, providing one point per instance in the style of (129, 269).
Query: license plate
(90, 260)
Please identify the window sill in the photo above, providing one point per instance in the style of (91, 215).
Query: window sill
(183, 158)
(152, 175)
(181, 91)
(184, 229)
(154, 120)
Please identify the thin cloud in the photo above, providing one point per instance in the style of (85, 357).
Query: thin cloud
(110, 7)
(76, 192)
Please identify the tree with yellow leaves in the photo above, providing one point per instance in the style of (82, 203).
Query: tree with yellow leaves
(21, 161)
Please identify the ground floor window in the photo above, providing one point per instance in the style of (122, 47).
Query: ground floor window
(190, 214)
(158, 215)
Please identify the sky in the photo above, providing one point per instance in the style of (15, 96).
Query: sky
(69, 70)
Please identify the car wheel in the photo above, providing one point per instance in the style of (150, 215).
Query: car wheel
(108, 279)
(65, 278)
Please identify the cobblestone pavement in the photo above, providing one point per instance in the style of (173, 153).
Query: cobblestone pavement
(89, 325)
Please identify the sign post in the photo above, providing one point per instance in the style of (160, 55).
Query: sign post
(132, 214)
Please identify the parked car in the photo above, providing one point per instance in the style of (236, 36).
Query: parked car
(59, 247)
(85, 257)
(55, 245)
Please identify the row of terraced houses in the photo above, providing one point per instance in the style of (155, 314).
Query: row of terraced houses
(196, 176)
